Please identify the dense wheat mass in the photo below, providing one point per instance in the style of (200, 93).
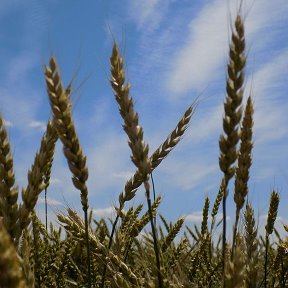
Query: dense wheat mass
(119, 252)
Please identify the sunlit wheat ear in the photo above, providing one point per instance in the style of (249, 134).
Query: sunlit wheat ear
(235, 270)
(244, 157)
(273, 211)
(250, 231)
(204, 228)
(36, 176)
(62, 118)
(61, 108)
(158, 156)
(27, 264)
(8, 189)
(244, 163)
(272, 215)
(216, 205)
(232, 115)
(48, 167)
(252, 262)
(172, 234)
(232, 105)
(126, 107)
(11, 273)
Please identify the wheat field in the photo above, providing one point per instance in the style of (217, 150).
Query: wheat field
(85, 252)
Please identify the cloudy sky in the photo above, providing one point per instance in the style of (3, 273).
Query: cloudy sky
(175, 51)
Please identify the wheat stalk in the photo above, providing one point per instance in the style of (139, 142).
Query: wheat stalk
(233, 113)
(62, 117)
(134, 132)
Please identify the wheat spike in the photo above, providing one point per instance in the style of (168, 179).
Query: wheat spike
(36, 176)
(8, 189)
(131, 119)
(11, 273)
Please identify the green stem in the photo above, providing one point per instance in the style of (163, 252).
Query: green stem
(234, 233)
(85, 209)
(160, 281)
(266, 261)
(46, 214)
(109, 247)
(224, 236)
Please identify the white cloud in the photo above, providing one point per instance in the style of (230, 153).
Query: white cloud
(197, 217)
(104, 212)
(265, 217)
(8, 123)
(198, 61)
(147, 13)
(39, 125)
(270, 106)
(125, 175)
(206, 125)
(108, 159)
(18, 99)
(54, 181)
(187, 173)
(50, 201)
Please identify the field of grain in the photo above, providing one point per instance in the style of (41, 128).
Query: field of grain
(85, 252)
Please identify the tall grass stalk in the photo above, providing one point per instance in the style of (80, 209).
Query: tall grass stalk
(63, 121)
(232, 116)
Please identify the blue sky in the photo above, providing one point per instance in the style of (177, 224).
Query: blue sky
(174, 51)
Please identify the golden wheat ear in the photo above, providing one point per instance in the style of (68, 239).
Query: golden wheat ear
(232, 115)
(158, 155)
(36, 176)
(252, 260)
(131, 119)
(62, 117)
(8, 189)
(232, 106)
(11, 273)
(235, 270)
(244, 164)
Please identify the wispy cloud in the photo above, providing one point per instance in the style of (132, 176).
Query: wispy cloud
(193, 171)
(39, 125)
(204, 53)
(147, 13)
(197, 217)
(270, 107)
(197, 62)
(104, 212)
(8, 123)
(50, 201)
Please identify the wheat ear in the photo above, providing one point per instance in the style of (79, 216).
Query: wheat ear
(251, 248)
(159, 155)
(134, 132)
(36, 177)
(48, 167)
(272, 215)
(62, 117)
(204, 227)
(244, 164)
(11, 273)
(8, 189)
(233, 113)
(235, 271)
